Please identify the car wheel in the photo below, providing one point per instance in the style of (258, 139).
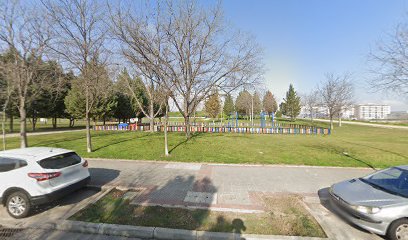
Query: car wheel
(18, 205)
(398, 230)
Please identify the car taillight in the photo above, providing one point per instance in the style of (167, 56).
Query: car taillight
(85, 164)
(44, 176)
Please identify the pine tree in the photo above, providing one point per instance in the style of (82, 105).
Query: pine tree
(213, 105)
(257, 104)
(269, 103)
(243, 103)
(291, 105)
(229, 107)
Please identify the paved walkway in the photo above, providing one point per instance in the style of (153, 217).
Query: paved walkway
(367, 124)
(215, 186)
(9, 135)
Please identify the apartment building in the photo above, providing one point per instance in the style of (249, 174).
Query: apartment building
(371, 111)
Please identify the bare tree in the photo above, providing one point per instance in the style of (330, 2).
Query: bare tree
(79, 43)
(187, 47)
(128, 29)
(6, 91)
(336, 93)
(310, 102)
(391, 63)
(24, 34)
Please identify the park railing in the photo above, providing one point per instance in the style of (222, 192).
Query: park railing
(241, 124)
(306, 130)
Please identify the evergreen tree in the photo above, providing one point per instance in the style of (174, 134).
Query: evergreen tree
(101, 96)
(213, 105)
(269, 103)
(257, 104)
(229, 107)
(291, 104)
(243, 103)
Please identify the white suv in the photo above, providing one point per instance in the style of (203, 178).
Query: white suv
(34, 176)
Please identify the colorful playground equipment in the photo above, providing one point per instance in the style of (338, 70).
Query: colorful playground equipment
(262, 128)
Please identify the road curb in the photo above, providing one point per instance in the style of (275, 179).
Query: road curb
(141, 161)
(156, 232)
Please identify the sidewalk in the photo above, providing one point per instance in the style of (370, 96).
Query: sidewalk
(9, 135)
(218, 187)
(366, 124)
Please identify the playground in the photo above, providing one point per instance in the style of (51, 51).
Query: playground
(232, 125)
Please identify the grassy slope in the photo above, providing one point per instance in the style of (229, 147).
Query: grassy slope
(365, 146)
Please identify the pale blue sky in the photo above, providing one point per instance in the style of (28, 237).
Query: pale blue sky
(305, 39)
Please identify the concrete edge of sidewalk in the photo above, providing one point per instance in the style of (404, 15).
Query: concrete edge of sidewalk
(226, 164)
(157, 232)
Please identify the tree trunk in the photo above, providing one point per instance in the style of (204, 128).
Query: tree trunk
(187, 123)
(11, 127)
(166, 145)
(339, 120)
(34, 121)
(71, 122)
(23, 124)
(104, 121)
(3, 127)
(151, 116)
(54, 122)
(88, 133)
(311, 115)
(331, 123)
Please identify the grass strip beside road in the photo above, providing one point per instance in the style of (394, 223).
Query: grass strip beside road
(284, 215)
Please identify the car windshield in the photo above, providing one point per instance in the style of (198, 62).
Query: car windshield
(392, 180)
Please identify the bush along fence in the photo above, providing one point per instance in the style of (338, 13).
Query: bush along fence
(305, 130)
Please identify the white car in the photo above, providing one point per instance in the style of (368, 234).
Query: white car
(38, 175)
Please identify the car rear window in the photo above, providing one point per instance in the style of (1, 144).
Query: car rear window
(60, 161)
(8, 164)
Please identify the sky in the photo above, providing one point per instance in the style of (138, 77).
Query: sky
(303, 40)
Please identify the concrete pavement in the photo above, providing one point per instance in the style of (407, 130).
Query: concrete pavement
(9, 135)
(215, 186)
(366, 124)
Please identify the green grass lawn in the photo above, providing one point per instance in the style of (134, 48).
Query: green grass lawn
(350, 145)
(284, 215)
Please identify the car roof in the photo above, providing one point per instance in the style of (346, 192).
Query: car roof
(33, 153)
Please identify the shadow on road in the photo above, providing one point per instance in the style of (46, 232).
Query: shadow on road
(102, 176)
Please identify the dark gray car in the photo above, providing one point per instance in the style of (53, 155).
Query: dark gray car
(377, 202)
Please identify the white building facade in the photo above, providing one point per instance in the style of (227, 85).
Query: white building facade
(371, 111)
